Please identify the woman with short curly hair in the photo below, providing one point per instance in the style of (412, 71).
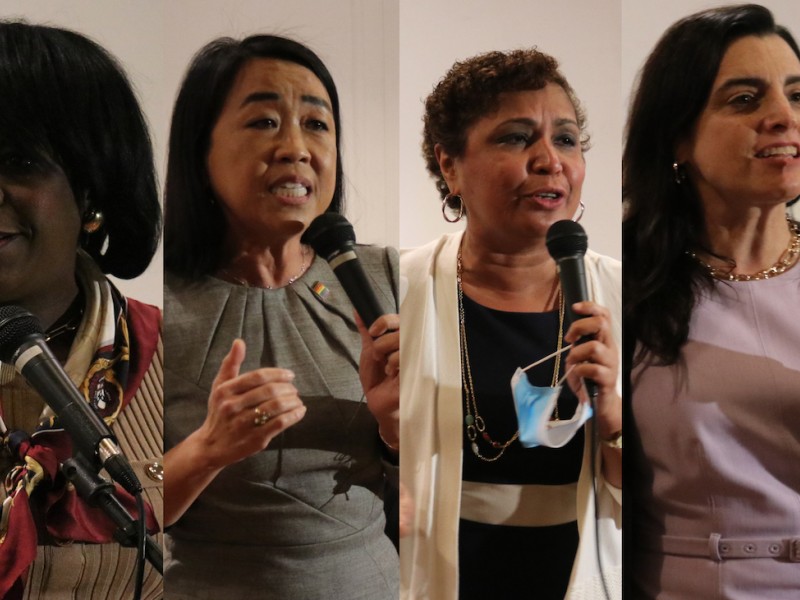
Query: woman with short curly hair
(490, 512)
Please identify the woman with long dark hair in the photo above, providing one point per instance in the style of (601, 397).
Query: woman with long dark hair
(281, 409)
(711, 289)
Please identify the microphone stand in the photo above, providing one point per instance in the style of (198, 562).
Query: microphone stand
(100, 492)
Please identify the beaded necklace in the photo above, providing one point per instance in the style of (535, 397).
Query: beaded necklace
(473, 421)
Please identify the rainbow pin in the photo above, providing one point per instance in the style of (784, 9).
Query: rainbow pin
(320, 290)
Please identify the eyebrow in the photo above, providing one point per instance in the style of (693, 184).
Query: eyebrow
(274, 97)
(754, 82)
(534, 123)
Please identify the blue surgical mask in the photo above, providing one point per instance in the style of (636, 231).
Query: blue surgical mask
(535, 406)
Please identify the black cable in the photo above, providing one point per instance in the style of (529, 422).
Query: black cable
(593, 441)
(141, 542)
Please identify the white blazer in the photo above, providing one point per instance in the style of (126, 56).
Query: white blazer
(431, 439)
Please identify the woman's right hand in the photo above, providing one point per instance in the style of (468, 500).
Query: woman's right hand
(231, 431)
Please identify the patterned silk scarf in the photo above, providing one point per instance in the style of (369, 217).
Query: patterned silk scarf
(41, 506)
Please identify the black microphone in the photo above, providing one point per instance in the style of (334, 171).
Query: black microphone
(332, 237)
(567, 243)
(22, 344)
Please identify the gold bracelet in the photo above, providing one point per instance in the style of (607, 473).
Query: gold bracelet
(615, 441)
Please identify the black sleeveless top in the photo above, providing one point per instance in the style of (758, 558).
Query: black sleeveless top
(502, 561)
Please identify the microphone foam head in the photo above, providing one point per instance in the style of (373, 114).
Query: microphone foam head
(328, 233)
(16, 324)
(566, 238)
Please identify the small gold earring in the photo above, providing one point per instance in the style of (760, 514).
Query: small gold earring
(94, 222)
(678, 172)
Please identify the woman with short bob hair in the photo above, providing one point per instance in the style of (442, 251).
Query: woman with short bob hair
(78, 200)
(67, 100)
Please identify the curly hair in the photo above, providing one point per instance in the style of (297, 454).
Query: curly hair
(471, 90)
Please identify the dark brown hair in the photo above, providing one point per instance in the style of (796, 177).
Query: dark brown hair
(471, 89)
(663, 218)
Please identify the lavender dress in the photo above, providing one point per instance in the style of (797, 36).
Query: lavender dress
(719, 471)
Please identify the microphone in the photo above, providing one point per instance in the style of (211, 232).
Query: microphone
(22, 344)
(331, 236)
(567, 243)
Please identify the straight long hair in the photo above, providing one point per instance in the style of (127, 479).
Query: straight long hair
(194, 222)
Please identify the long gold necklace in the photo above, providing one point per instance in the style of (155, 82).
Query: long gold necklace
(787, 260)
(473, 420)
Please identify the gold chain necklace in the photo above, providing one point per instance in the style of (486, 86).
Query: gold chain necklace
(69, 321)
(784, 263)
(227, 273)
(473, 420)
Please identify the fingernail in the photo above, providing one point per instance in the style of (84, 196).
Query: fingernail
(289, 374)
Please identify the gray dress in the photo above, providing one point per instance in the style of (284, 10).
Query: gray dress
(304, 518)
(718, 484)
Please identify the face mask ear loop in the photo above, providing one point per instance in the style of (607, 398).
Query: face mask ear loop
(548, 357)
(560, 381)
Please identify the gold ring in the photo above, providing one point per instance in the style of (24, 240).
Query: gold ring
(260, 417)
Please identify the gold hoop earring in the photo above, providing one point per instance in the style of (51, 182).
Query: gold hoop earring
(93, 221)
(460, 208)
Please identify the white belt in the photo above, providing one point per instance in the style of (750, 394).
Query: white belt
(519, 505)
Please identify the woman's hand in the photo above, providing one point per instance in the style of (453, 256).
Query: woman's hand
(598, 359)
(379, 370)
(245, 412)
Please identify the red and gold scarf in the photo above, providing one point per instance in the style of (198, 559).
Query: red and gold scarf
(40, 505)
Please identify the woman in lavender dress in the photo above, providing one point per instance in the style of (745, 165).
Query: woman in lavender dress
(711, 289)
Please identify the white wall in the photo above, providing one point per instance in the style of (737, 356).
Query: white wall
(357, 39)
(644, 21)
(386, 56)
(584, 35)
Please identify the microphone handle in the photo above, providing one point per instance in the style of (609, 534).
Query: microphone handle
(351, 275)
(41, 369)
(572, 274)
(89, 433)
